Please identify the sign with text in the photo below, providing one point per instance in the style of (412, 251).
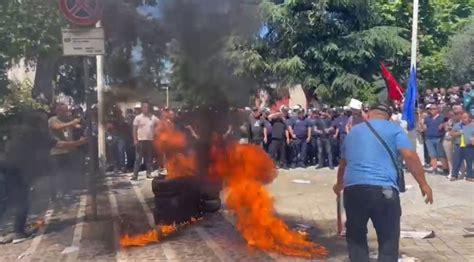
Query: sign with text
(83, 41)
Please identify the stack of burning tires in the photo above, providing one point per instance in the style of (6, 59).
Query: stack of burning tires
(179, 199)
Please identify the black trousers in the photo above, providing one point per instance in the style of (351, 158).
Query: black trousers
(144, 150)
(14, 193)
(64, 176)
(313, 151)
(278, 151)
(130, 151)
(266, 146)
(427, 158)
(257, 142)
(382, 206)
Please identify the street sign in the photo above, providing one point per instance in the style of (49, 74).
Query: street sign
(83, 41)
(82, 12)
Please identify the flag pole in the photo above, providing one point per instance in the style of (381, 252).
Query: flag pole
(414, 34)
(401, 93)
(414, 42)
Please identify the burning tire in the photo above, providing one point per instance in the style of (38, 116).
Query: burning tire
(211, 206)
(176, 200)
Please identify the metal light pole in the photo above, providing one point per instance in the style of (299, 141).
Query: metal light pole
(101, 111)
(167, 87)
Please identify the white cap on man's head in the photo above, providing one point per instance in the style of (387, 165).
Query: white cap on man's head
(355, 104)
(138, 105)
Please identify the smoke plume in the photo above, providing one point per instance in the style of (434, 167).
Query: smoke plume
(201, 32)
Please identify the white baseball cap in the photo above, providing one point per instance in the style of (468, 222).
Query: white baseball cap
(355, 104)
(138, 105)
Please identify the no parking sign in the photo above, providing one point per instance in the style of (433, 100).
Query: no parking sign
(82, 12)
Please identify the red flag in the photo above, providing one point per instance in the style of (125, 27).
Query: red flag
(395, 91)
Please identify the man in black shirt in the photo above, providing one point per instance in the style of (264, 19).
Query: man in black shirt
(280, 137)
(258, 131)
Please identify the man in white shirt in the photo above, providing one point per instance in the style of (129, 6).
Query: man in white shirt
(144, 126)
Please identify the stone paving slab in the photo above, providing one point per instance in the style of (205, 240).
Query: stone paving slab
(312, 204)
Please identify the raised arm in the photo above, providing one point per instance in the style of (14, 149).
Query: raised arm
(58, 125)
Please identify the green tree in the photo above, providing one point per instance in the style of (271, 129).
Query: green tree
(332, 47)
(459, 55)
(31, 29)
(438, 21)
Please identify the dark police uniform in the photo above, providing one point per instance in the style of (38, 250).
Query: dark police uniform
(300, 129)
(256, 126)
(324, 142)
(278, 143)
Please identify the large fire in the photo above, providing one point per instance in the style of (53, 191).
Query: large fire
(244, 169)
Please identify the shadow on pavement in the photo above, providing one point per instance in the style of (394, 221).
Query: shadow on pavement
(319, 233)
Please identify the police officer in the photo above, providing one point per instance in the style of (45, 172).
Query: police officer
(302, 131)
(313, 147)
(325, 131)
(280, 137)
(289, 147)
(258, 131)
(268, 126)
(340, 124)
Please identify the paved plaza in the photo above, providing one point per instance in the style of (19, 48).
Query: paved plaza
(69, 234)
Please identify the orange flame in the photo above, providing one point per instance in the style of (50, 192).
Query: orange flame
(179, 162)
(139, 240)
(245, 169)
(153, 236)
(40, 223)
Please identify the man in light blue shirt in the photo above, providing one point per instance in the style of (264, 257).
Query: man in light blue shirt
(369, 179)
(463, 135)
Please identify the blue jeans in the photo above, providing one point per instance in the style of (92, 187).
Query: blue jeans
(314, 150)
(120, 153)
(435, 148)
(460, 155)
(382, 206)
(325, 146)
(300, 147)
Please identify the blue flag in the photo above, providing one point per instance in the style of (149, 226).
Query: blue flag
(409, 107)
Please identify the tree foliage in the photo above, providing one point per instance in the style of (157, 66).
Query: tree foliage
(459, 55)
(332, 47)
(31, 29)
(438, 21)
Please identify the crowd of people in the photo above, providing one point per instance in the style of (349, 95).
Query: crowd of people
(446, 131)
(299, 138)
(293, 137)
